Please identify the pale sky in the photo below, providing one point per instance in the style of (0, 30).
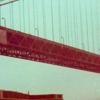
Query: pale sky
(78, 21)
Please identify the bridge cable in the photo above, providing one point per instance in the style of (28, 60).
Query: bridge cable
(59, 17)
(87, 27)
(72, 21)
(97, 27)
(11, 15)
(34, 16)
(29, 16)
(92, 20)
(19, 13)
(75, 22)
(23, 15)
(67, 20)
(66, 23)
(37, 26)
(52, 22)
(81, 24)
(12, 10)
(44, 18)
(0, 15)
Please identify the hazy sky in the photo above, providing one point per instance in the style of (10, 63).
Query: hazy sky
(78, 22)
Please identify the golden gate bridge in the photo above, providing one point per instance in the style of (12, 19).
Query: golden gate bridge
(15, 42)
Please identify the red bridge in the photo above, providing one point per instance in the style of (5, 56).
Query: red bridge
(12, 95)
(21, 45)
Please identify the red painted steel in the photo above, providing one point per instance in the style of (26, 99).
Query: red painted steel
(21, 45)
(13, 95)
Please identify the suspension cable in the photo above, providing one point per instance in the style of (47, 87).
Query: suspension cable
(23, 15)
(72, 25)
(10, 10)
(11, 1)
(87, 27)
(29, 16)
(19, 13)
(59, 17)
(37, 26)
(66, 24)
(81, 25)
(92, 25)
(44, 17)
(74, 22)
(67, 20)
(34, 16)
(0, 15)
(52, 22)
(98, 24)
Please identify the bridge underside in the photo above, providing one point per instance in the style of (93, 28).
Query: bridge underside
(20, 45)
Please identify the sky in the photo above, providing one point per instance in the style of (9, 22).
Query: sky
(72, 22)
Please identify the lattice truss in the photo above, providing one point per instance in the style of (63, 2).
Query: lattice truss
(25, 46)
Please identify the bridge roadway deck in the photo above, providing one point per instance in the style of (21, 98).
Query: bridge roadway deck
(21, 45)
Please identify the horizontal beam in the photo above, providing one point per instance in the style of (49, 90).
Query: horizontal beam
(21, 45)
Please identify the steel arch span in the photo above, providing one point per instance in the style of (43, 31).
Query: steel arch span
(25, 46)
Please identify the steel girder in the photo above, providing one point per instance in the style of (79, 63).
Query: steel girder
(21, 45)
